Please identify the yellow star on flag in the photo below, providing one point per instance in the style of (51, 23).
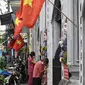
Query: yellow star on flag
(29, 2)
(17, 21)
(18, 42)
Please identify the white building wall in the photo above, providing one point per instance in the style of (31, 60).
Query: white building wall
(42, 23)
(67, 9)
(48, 25)
(42, 18)
(49, 11)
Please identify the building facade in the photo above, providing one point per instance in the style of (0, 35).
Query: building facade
(74, 11)
(53, 20)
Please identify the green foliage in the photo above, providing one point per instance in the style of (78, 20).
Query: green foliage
(2, 79)
(43, 50)
(1, 40)
(2, 63)
(2, 66)
(64, 58)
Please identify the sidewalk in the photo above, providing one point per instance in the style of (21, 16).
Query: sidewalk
(66, 82)
(73, 82)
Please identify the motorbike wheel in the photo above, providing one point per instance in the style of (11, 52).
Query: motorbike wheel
(18, 82)
(14, 81)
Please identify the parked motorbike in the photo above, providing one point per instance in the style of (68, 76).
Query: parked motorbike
(14, 79)
(4, 77)
(18, 73)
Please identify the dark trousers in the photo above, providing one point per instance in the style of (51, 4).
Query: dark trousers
(36, 81)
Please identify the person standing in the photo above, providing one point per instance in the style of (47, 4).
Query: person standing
(39, 71)
(31, 63)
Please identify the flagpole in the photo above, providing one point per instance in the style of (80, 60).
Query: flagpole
(63, 14)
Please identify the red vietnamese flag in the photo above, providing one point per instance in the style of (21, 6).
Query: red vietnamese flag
(30, 11)
(18, 25)
(21, 8)
(11, 43)
(18, 21)
(18, 43)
